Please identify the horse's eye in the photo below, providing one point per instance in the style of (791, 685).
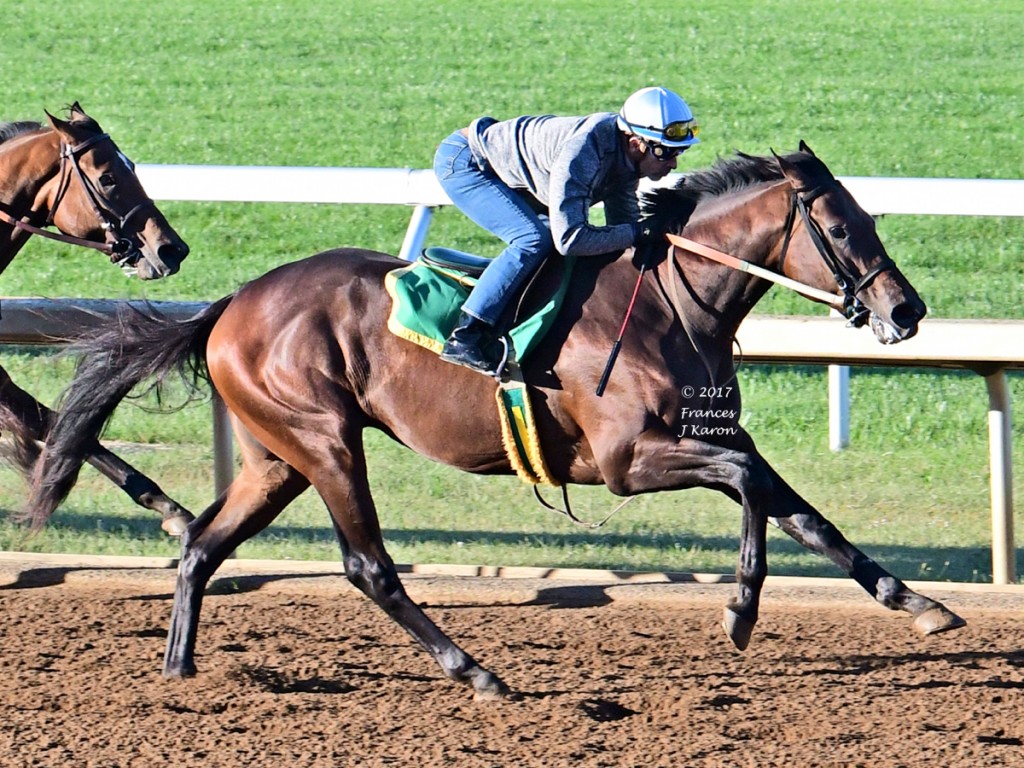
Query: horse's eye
(107, 179)
(837, 232)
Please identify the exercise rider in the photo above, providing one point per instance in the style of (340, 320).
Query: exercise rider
(532, 180)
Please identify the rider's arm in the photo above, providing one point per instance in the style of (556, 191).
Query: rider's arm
(576, 174)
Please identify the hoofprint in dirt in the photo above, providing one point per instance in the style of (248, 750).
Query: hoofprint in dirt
(304, 671)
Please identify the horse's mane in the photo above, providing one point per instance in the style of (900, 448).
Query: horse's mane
(10, 130)
(75, 115)
(667, 208)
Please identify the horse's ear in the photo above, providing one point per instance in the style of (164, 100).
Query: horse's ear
(784, 164)
(70, 132)
(805, 148)
(77, 113)
(56, 123)
(788, 168)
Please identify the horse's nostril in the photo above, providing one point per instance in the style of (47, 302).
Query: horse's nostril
(907, 315)
(172, 255)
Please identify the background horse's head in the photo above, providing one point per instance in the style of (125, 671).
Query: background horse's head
(831, 241)
(97, 196)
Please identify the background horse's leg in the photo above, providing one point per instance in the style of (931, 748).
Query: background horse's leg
(142, 490)
(810, 528)
(263, 488)
(27, 421)
(343, 486)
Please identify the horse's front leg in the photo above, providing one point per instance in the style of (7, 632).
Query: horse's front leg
(658, 461)
(142, 490)
(807, 526)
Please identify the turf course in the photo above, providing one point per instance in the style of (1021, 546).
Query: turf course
(931, 89)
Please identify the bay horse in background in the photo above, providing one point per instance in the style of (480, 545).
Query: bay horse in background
(72, 176)
(304, 361)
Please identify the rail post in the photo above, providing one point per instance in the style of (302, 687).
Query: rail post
(1000, 433)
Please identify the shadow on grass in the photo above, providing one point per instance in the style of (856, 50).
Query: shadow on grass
(785, 557)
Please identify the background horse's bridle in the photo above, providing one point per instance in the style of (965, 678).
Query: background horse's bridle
(120, 248)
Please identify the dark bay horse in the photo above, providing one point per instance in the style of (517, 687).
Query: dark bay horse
(305, 363)
(71, 175)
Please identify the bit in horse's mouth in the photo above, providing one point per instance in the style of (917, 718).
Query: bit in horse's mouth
(887, 333)
(135, 264)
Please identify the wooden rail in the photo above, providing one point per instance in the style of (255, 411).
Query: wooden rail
(986, 347)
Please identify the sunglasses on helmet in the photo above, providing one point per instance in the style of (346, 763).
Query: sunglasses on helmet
(681, 129)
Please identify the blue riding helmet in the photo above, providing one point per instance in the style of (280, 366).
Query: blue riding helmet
(659, 116)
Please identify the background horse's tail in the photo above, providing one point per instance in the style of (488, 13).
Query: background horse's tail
(137, 345)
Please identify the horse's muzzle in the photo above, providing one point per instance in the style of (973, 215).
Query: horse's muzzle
(166, 262)
(902, 324)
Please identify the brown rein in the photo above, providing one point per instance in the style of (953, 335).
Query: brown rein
(686, 244)
(59, 236)
(847, 301)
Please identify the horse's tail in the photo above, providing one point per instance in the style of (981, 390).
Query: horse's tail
(135, 346)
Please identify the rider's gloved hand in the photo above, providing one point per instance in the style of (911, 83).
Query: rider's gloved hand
(643, 236)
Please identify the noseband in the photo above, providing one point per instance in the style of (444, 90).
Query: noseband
(853, 308)
(117, 246)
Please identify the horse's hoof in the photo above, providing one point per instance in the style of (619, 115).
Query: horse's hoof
(737, 628)
(489, 687)
(179, 672)
(938, 619)
(175, 526)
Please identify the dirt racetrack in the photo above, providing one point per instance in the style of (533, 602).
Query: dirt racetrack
(298, 670)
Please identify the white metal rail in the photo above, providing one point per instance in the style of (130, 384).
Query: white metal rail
(420, 189)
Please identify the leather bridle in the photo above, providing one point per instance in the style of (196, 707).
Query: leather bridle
(121, 250)
(849, 284)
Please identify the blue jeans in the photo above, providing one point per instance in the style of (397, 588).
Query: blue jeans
(487, 200)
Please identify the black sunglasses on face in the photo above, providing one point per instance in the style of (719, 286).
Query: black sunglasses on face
(664, 153)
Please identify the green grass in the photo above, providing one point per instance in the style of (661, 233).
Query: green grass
(912, 490)
(876, 88)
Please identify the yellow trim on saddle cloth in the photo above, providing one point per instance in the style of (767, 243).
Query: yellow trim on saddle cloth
(519, 431)
(411, 289)
(405, 323)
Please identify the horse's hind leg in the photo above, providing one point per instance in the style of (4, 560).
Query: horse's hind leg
(263, 488)
(343, 486)
(810, 528)
(27, 420)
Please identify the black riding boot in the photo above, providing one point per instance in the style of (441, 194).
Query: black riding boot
(473, 344)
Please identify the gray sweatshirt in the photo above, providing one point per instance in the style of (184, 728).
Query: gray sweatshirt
(565, 165)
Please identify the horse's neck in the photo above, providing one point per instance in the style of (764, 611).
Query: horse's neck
(25, 188)
(748, 226)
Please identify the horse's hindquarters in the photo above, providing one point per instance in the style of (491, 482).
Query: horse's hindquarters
(304, 352)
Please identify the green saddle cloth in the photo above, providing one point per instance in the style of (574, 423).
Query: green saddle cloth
(426, 300)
